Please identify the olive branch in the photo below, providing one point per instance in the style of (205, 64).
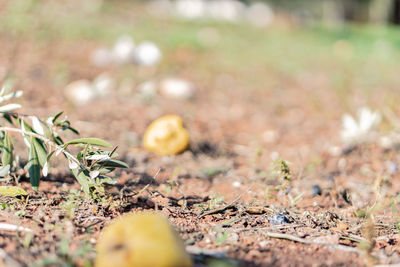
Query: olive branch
(91, 166)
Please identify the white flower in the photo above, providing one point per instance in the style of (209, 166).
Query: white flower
(355, 130)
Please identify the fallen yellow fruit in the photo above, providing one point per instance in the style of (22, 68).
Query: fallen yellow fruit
(166, 136)
(141, 240)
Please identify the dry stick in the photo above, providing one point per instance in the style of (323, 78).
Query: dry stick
(8, 259)
(214, 211)
(310, 242)
(276, 227)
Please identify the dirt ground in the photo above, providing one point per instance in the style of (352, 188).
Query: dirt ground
(221, 193)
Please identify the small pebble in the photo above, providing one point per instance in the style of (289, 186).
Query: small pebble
(101, 57)
(342, 226)
(236, 184)
(103, 85)
(316, 190)
(392, 167)
(147, 54)
(123, 50)
(80, 92)
(176, 88)
(278, 219)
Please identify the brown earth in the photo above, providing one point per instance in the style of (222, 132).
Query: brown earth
(236, 135)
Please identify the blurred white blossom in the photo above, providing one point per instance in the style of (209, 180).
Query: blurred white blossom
(357, 129)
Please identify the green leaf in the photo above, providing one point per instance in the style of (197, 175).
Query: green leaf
(4, 170)
(104, 171)
(83, 177)
(57, 140)
(9, 107)
(12, 191)
(113, 163)
(7, 157)
(34, 167)
(41, 152)
(40, 148)
(57, 116)
(90, 141)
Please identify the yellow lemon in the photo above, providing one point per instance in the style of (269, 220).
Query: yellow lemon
(141, 240)
(166, 136)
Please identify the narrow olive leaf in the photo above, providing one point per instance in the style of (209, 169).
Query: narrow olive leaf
(72, 164)
(37, 125)
(9, 107)
(41, 152)
(104, 171)
(12, 95)
(83, 152)
(94, 174)
(113, 163)
(34, 167)
(22, 125)
(7, 157)
(8, 84)
(57, 116)
(50, 155)
(90, 141)
(75, 131)
(4, 170)
(98, 157)
(83, 177)
(12, 191)
(57, 140)
(45, 169)
(8, 118)
(40, 147)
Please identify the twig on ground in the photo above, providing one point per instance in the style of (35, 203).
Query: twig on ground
(12, 227)
(276, 227)
(218, 210)
(310, 242)
(8, 260)
(197, 250)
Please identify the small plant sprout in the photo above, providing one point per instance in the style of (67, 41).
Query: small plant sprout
(42, 138)
(355, 131)
(283, 170)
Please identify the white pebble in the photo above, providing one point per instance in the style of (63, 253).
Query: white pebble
(190, 9)
(80, 92)
(269, 136)
(386, 142)
(101, 57)
(334, 151)
(103, 85)
(274, 155)
(226, 10)
(147, 89)
(147, 54)
(177, 89)
(236, 184)
(123, 50)
(260, 15)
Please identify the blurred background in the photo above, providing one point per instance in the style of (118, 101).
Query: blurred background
(272, 74)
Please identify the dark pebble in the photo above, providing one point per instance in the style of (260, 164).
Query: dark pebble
(278, 219)
(316, 190)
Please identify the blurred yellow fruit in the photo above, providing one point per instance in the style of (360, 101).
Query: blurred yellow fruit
(141, 240)
(166, 136)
